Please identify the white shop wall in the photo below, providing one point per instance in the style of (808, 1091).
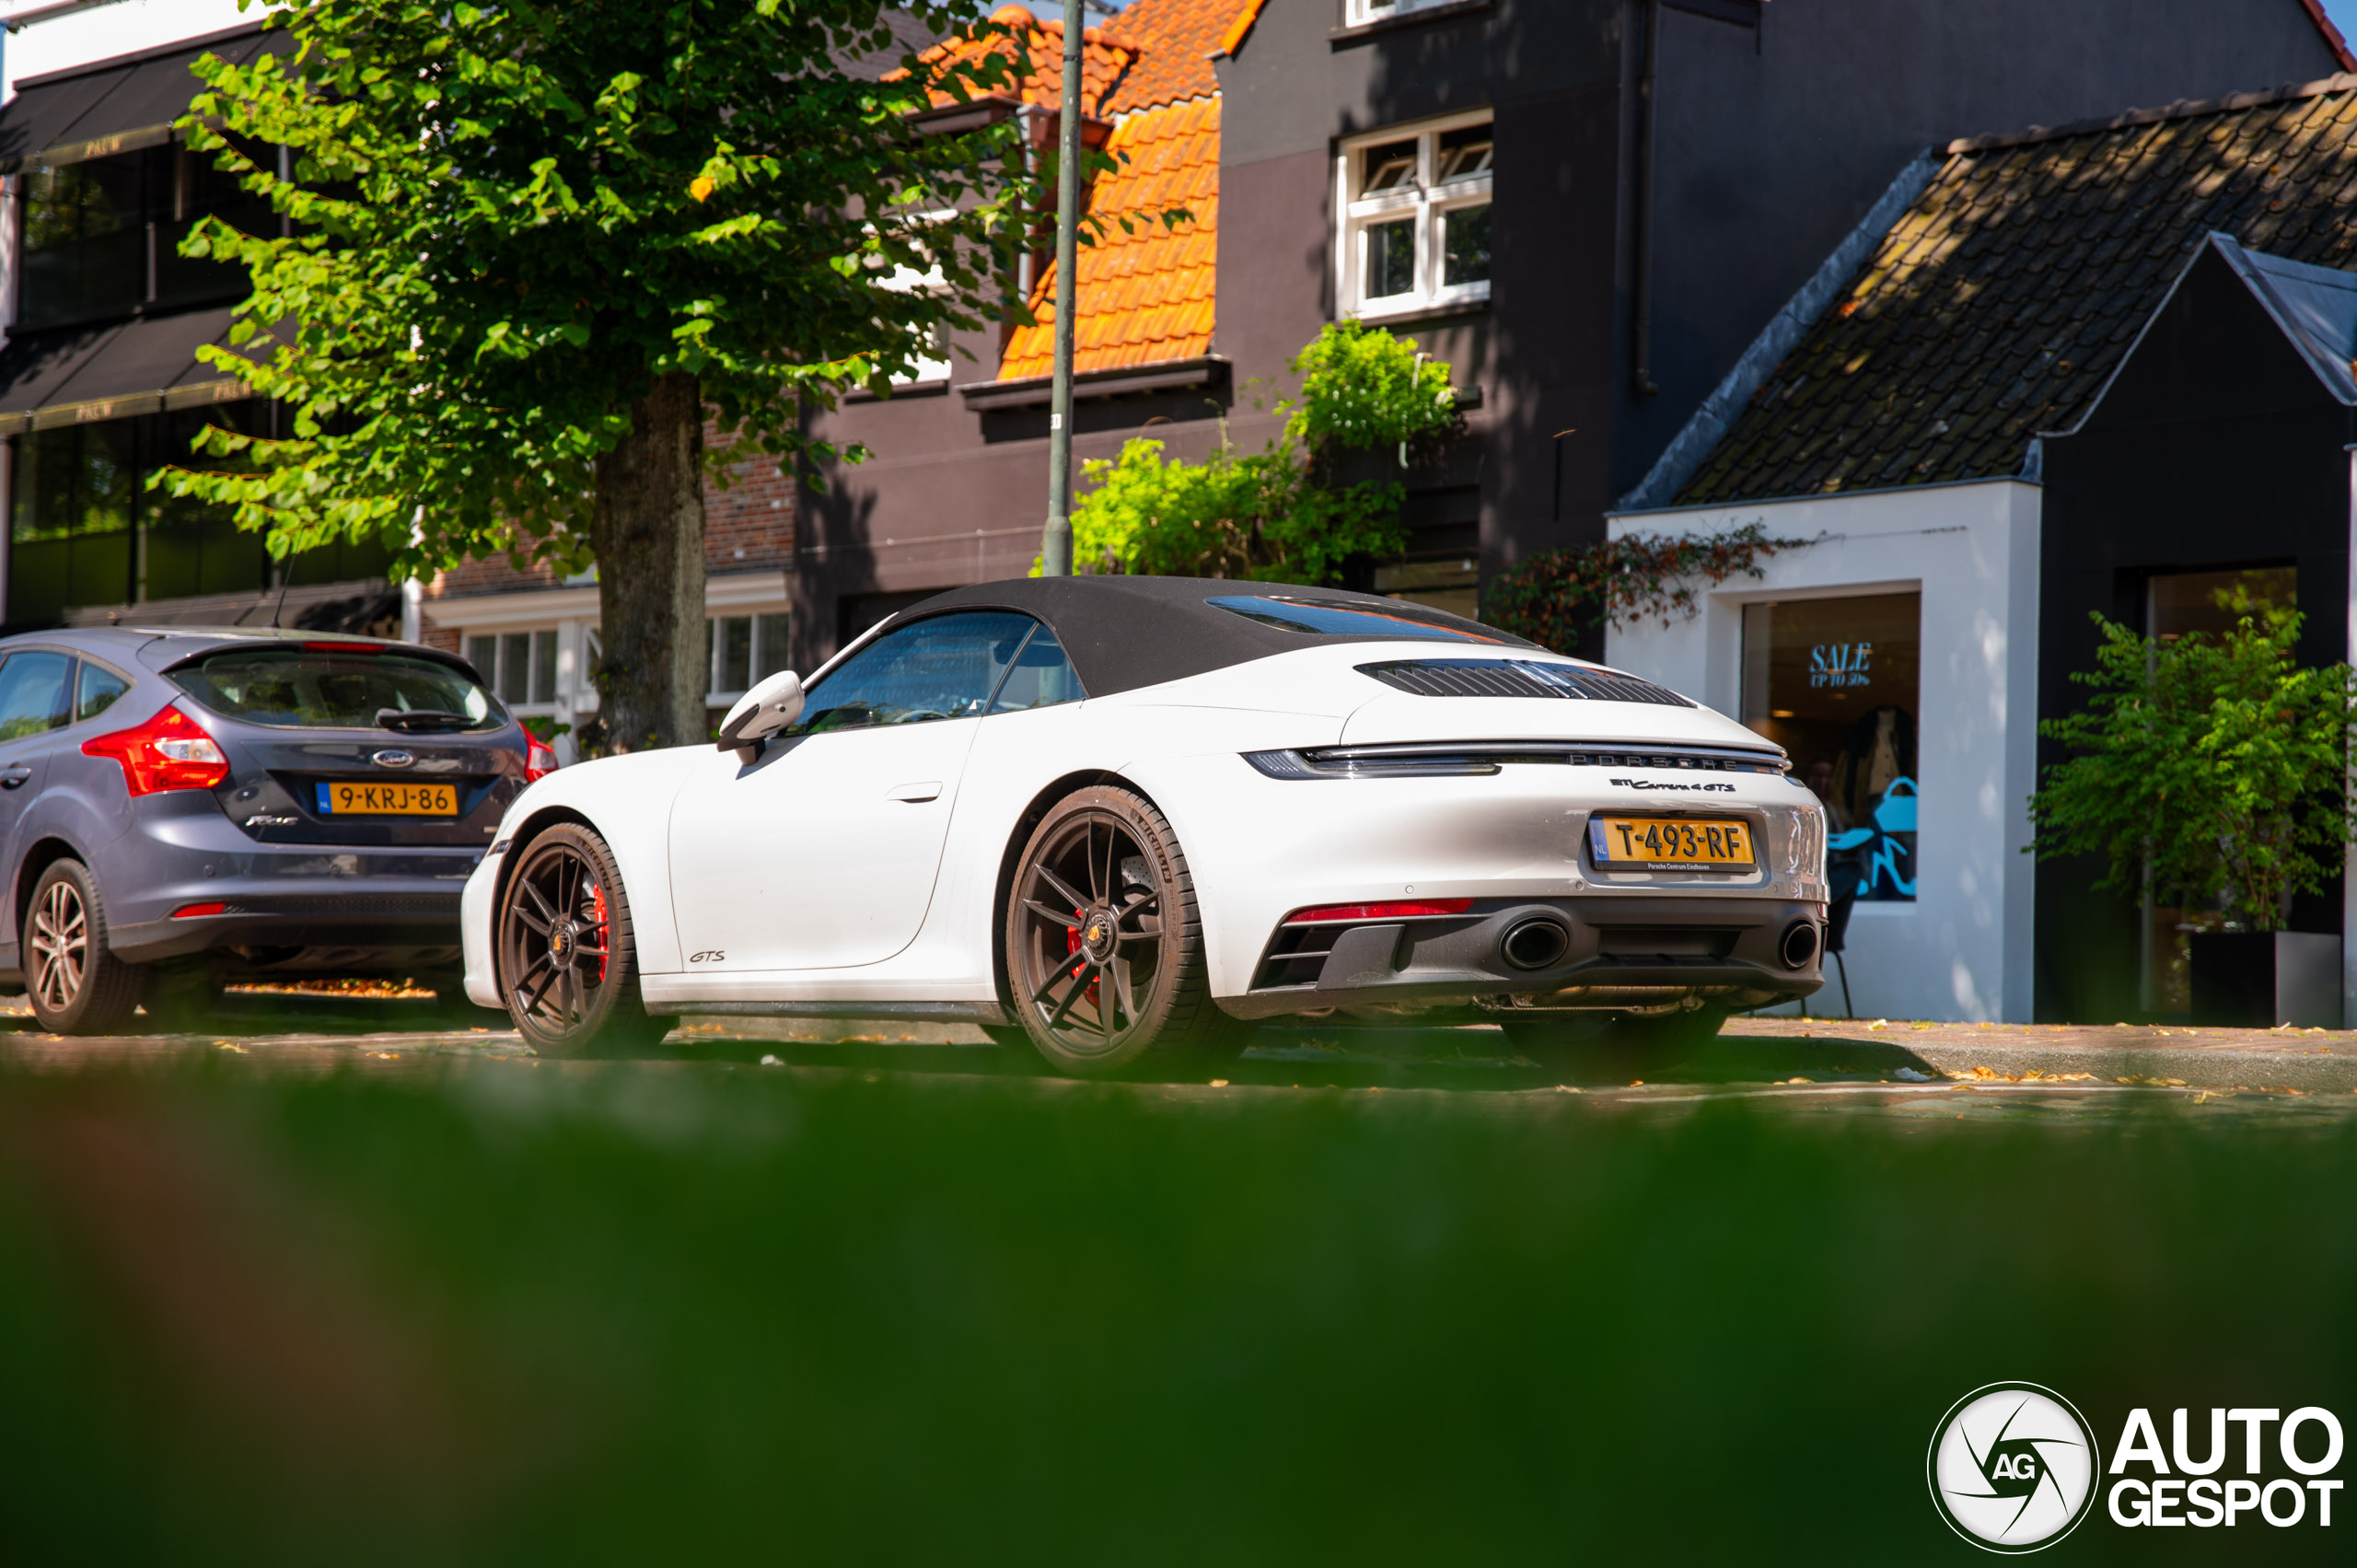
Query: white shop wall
(1962, 949)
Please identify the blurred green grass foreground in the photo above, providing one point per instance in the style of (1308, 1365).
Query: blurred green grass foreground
(640, 1315)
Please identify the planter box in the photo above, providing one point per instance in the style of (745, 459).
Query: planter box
(2259, 978)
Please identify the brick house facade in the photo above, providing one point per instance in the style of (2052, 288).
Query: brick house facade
(529, 630)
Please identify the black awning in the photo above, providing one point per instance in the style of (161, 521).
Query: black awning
(115, 106)
(80, 374)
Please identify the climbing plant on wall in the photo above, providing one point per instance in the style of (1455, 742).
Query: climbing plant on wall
(1557, 598)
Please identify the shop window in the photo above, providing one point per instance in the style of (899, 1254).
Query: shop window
(1415, 209)
(85, 529)
(744, 650)
(1835, 683)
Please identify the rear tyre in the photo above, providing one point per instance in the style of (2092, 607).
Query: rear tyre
(78, 987)
(1105, 956)
(1602, 1049)
(567, 959)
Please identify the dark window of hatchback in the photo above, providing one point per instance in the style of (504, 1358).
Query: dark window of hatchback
(316, 687)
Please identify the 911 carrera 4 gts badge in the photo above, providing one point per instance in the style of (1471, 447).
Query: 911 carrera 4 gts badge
(1648, 783)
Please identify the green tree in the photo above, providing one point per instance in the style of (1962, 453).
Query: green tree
(1286, 513)
(2214, 762)
(533, 245)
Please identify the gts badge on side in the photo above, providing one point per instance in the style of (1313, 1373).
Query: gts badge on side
(710, 955)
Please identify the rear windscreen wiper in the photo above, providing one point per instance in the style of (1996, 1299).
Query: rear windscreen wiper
(421, 720)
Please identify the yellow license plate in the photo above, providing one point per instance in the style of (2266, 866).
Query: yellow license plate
(1670, 843)
(388, 800)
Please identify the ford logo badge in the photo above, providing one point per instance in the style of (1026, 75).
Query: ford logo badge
(392, 759)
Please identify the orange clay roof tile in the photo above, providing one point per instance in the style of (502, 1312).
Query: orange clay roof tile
(1175, 40)
(1146, 292)
(1038, 62)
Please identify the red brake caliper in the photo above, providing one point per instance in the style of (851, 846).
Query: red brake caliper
(1071, 944)
(597, 903)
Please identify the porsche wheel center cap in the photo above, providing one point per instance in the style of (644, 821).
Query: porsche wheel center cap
(560, 940)
(1096, 934)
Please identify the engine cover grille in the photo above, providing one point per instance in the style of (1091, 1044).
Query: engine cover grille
(1516, 678)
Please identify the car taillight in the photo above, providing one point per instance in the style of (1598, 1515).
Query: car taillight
(1416, 909)
(539, 761)
(169, 751)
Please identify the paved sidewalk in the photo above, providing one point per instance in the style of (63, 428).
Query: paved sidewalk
(2314, 1060)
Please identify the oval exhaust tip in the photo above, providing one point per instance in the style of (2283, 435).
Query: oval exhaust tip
(1799, 944)
(1535, 944)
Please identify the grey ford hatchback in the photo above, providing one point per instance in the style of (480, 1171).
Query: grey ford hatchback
(185, 808)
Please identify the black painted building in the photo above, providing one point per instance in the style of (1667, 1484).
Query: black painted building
(1647, 183)
(2217, 458)
(100, 384)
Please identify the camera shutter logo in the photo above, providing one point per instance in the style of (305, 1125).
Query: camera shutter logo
(2013, 1466)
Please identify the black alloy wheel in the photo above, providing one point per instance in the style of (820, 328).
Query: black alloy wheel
(78, 987)
(567, 966)
(1104, 957)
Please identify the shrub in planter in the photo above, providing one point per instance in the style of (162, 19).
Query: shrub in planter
(2216, 766)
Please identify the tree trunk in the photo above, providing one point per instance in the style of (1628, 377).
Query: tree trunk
(648, 533)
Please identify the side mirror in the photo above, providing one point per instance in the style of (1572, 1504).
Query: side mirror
(761, 712)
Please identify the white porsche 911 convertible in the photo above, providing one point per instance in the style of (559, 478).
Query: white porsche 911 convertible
(1108, 813)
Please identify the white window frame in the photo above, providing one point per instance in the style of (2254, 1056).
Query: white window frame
(1426, 202)
(558, 671)
(717, 696)
(931, 369)
(1362, 11)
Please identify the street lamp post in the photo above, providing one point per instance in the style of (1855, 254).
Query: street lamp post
(1055, 542)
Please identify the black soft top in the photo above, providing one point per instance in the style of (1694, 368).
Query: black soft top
(1124, 633)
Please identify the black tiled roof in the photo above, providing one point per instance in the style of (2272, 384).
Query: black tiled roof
(1999, 304)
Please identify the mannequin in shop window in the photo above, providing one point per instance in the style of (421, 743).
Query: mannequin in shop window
(1875, 782)
(1880, 751)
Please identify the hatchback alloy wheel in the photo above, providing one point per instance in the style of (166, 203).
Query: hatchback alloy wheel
(76, 985)
(60, 945)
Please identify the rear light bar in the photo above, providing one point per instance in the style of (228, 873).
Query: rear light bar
(343, 648)
(1423, 760)
(169, 751)
(1412, 910)
(539, 760)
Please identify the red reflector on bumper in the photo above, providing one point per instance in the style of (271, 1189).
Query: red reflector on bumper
(1408, 909)
(187, 911)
